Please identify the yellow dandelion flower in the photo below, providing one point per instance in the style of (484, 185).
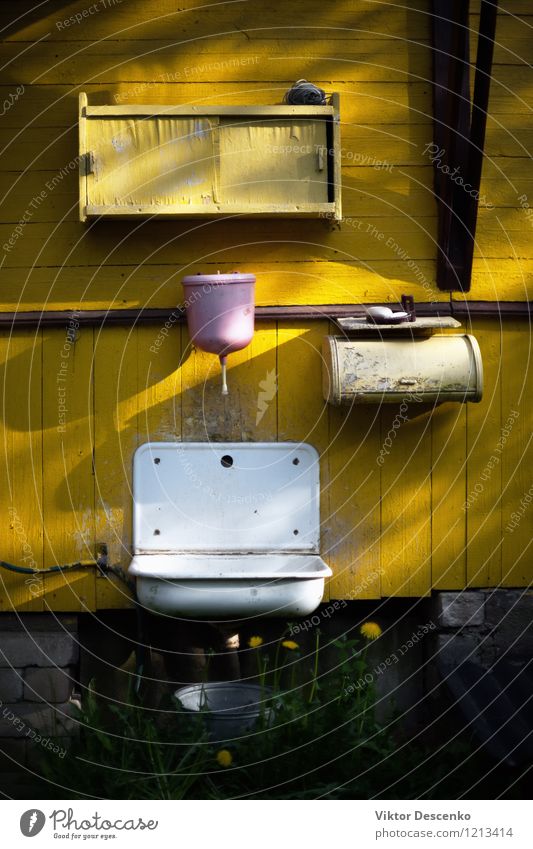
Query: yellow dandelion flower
(255, 642)
(370, 630)
(224, 757)
(290, 644)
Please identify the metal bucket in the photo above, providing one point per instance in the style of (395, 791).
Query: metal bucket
(230, 709)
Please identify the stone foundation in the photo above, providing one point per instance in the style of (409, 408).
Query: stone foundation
(39, 656)
(45, 659)
(485, 625)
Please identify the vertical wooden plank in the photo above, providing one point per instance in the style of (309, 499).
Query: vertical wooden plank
(264, 385)
(68, 495)
(158, 404)
(406, 499)
(159, 383)
(21, 469)
(248, 413)
(517, 454)
(448, 494)
(302, 411)
(115, 438)
(483, 482)
(355, 508)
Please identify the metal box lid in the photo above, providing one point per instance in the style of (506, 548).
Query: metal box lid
(225, 497)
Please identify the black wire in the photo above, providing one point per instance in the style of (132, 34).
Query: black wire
(23, 570)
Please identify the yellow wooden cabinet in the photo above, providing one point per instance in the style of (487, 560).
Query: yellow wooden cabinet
(208, 161)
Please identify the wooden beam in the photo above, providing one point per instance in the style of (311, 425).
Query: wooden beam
(480, 105)
(457, 151)
(451, 128)
(147, 111)
(96, 318)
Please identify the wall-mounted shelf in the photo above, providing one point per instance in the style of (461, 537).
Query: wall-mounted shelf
(420, 326)
(175, 161)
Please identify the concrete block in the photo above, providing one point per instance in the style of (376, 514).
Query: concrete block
(509, 615)
(502, 604)
(36, 752)
(38, 622)
(24, 785)
(396, 662)
(455, 610)
(26, 721)
(47, 685)
(11, 684)
(501, 600)
(456, 648)
(12, 755)
(40, 648)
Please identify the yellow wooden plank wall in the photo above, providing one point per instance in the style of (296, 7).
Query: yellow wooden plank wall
(423, 512)
(21, 469)
(405, 507)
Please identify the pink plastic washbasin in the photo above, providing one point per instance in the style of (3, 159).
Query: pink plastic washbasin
(220, 311)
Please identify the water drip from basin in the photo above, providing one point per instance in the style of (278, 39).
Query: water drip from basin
(223, 364)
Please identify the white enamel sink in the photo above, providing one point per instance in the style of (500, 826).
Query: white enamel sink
(220, 586)
(227, 530)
